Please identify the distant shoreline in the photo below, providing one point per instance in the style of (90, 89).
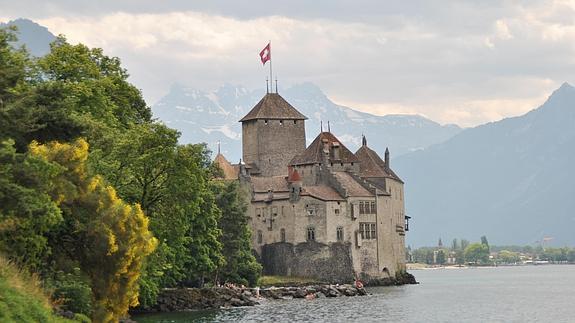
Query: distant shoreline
(418, 266)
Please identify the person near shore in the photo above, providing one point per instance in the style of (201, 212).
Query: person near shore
(357, 283)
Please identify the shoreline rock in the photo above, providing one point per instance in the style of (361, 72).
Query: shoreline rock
(190, 299)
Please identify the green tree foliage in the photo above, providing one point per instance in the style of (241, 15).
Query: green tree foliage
(27, 211)
(440, 257)
(484, 241)
(108, 237)
(507, 257)
(171, 182)
(477, 253)
(241, 266)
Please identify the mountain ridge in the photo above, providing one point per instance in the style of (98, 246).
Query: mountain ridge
(503, 179)
(185, 108)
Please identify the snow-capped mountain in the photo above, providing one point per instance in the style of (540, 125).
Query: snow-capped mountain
(212, 117)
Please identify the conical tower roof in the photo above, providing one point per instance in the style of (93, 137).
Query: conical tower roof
(273, 106)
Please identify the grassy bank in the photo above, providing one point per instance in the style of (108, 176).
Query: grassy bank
(285, 281)
(21, 297)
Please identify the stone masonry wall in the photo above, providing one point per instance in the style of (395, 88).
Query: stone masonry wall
(330, 263)
(278, 143)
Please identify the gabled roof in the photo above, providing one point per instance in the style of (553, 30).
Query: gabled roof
(314, 153)
(273, 106)
(230, 171)
(372, 166)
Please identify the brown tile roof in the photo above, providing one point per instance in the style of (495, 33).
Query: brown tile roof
(230, 171)
(322, 192)
(275, 183)
(371, 165)
(352, 187)
(273, 106)
(313, 154)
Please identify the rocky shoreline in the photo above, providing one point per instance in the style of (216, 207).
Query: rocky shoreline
(190, 299)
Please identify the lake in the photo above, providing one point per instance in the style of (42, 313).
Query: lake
(503, 294)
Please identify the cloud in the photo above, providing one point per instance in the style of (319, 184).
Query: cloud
(463, 62)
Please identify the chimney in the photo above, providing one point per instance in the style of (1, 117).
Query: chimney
(387, 158)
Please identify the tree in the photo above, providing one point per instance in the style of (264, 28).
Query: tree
(484, 241)
(171, 183)
(241, 265)
(108, 237)
(508, 257)
(440, 257)
(477, 253)
(27, 211)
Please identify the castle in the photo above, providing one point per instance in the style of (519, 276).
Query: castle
(319, 211)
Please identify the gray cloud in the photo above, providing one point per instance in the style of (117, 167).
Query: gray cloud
(454, 61)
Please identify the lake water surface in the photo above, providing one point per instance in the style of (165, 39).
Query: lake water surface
(503, 294)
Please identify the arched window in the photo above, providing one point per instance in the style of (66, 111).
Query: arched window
(311, 234)
(339, 233)
(283, 235)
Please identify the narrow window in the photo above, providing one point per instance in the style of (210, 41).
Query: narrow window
(295, 121)
(281, 122)
(311, 234)
(336, 211)
(260, 237)
(373, 210)
(361, 208)
(373, 231)
(339, 233)
(283, 235)
(274, 211)
(265, 121)
(258, 212)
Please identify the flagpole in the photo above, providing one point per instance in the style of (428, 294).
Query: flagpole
(271, 78)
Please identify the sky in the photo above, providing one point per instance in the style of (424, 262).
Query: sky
(462, 62)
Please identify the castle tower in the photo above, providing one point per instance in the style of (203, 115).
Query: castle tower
(272, 133)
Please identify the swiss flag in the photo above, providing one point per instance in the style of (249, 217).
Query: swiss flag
(266, 54)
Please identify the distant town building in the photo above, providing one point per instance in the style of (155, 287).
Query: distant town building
(319, 211)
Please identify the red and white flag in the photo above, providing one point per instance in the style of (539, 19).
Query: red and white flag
(266, 54)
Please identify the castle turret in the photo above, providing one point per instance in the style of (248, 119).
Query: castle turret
(272, 133)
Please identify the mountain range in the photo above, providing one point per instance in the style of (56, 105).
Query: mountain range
(212, 117)
(512, 180)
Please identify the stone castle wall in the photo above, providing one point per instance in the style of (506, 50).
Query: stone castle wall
(326, 262)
